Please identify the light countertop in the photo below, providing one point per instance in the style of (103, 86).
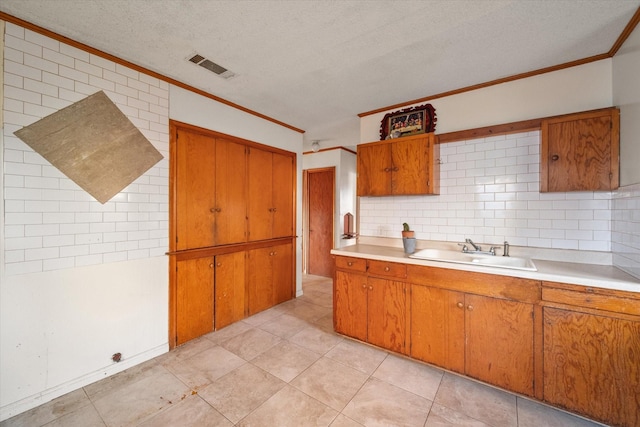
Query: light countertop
(594, 275)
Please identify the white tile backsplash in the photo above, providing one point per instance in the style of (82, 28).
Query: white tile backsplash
(489, 192)
(50, 222)
(625, 234)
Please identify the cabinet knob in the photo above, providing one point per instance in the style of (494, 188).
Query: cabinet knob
(387, 169)
(395, 169)
(274, 209)
(387, 269)
(219, 264)
(460, 305)
(470, 307)
(211, 265)
(212, 210)
(349, 263)
(275, 252)
(370, 288)
(364, 286)
(555, 157)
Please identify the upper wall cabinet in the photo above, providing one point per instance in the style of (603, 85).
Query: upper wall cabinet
(403, 166)
(211, 194)
(271, 195)
(580, 152)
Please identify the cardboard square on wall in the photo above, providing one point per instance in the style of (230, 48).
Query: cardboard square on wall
(94, 144)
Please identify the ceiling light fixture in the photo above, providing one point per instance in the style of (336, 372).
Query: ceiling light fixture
(315, 146)
(211, 66)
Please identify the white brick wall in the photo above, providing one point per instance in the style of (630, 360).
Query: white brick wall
(489, 192)
(625, 236)
(50, 222)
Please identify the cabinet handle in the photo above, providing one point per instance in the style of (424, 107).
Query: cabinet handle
(219, 264)
(275, 252)
(274, 209)
(555, 157)
(211, 265)
(460, 305)
(364, 286)
(387, 169)
(349, 263)
(470, 307)
(212, 210)
(387, 269)
(395, 169)
(370, 288)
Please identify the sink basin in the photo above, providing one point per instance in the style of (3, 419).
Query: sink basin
(515, 263)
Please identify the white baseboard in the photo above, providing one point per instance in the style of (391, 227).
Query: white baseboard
(30, 402)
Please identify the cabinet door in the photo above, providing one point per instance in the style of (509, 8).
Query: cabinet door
(194, 299)
(261, 292)
(231, 193)
(580, 152)
(410, 166)
(195, 190)
(437, 327)
(350, 304)
(592, 365)
(283, 195)
(229, 288)
(386, 319)
(499, 342)
(374, 170)
(260, 194)
(282, 261)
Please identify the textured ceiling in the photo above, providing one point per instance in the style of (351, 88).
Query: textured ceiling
(316, 64)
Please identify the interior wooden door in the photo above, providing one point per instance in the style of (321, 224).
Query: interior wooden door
(321, 196)
(194, 299)
(260, 194)
(229, 288)
(195, 190)
(231, 193)
(500, 334)
(437, 327)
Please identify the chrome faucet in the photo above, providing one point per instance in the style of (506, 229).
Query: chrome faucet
(477, 249)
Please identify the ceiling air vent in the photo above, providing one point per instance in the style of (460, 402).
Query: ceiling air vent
(211, 66)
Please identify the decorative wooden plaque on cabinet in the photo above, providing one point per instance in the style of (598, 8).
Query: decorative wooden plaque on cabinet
(94, 144)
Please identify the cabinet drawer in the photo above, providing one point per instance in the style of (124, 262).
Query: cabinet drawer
(351, 264)
(589, 298)
(388, 269)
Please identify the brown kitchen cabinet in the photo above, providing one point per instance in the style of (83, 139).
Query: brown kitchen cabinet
(270, 276)
(210, 191)
(402, 166)
(370, 308)
(230, 280)
(218, 187)
(194, 298)
(580, 152)
(592, 352)
(490, 339)
(271, 195)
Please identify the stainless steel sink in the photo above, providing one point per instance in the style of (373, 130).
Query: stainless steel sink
(515, 263)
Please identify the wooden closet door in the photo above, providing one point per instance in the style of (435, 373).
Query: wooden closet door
(229, 288)
(231, 193)
(194, 299)
(260, 194)
(195, 190)
(283, 195)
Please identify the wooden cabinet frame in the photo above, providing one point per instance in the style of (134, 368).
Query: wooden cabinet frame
(176, 255)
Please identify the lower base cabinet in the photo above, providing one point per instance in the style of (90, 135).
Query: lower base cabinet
(371, 309)
(194, 298)
(486, 338)
(215, 291)
(592, 365)
(270, 277)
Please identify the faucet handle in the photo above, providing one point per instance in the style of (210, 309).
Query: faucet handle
(464, 247)
(492, 249)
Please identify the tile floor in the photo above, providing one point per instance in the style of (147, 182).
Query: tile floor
(286, 367)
